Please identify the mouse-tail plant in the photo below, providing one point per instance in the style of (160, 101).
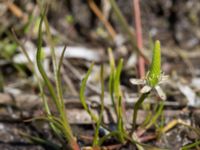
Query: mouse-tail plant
(152, 81)
(60, 122)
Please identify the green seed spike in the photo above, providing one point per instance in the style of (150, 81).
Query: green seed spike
(154, 73)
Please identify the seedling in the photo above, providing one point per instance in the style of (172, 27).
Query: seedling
(58, 123)
(152, 81)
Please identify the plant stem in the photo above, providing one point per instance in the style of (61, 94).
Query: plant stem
(96, 136)
(138, 28)
(136, 107)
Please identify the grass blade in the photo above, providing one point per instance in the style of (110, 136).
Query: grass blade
(117, 79)
(82, 95)
(39, 64)
(96, 137)
(112, 79)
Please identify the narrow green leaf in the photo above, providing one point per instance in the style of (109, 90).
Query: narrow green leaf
(59, 86)
(117, 78)
(112, 78)
(156, 116)
(120, 120)
(39, 64)
(96, 136)
(191, 146)
(82, 94)
(111, 59)
(40, 84)
(56, 98)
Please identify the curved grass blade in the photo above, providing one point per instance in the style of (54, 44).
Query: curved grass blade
(59, 86)
(82, 95)
(40, 84)
(39, 64)
(56, 99)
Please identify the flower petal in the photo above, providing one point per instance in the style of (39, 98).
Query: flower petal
(160, 92)
(145, 89)
(137, 81)
(163, 79)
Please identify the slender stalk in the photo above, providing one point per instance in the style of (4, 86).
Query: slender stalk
(138, 29)
(55, 67)
(112, 79)
(82, 95)
(63, 114)
(96, 136)
(120, 124)
(136, 108)
(59, 86)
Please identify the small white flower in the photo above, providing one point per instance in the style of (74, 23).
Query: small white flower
(147, 88)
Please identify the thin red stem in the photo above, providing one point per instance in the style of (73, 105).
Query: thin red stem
(138, 28)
